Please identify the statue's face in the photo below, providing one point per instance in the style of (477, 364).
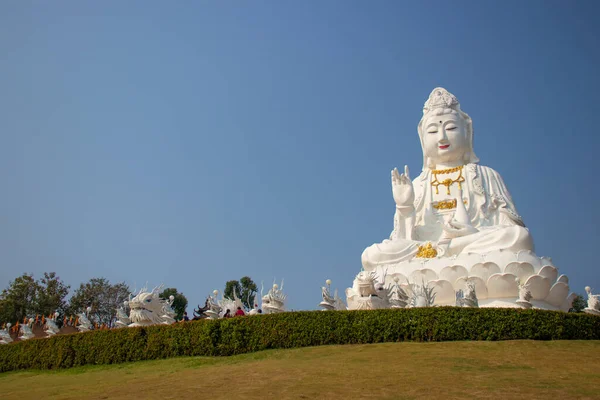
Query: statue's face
(445, 138)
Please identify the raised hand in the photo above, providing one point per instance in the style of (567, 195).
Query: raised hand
(402, 188)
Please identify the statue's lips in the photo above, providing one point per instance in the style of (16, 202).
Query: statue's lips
(445, 146)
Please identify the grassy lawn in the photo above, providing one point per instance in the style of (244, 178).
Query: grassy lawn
(449, 370)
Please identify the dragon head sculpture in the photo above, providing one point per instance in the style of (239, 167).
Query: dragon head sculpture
(149, 309)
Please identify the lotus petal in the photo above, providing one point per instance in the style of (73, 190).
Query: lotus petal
(563, 278)
(558, 294)
(547, 261)
(529, 257)
(452, 273)
(501, 257)
(538, 286)
(484, 270)
(444, 292)
(549, 272)
(522, 270)
(423, 275)
(481, 290)
(502, 285)
(568, 303)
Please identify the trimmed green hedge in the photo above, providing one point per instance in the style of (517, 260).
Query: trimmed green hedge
(295, 329)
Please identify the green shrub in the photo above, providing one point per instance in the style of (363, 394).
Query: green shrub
(295, 329)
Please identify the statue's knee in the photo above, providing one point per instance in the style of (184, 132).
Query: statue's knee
(523, 236)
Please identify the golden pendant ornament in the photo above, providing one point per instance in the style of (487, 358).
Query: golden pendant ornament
(446, 204)
(426, 251)
(447, 182)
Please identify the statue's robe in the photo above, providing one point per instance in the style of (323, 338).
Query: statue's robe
(489, 207)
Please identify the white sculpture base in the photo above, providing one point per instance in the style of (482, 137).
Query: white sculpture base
(591, 311)
(496, 276)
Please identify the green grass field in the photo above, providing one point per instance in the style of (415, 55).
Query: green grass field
(449, 370)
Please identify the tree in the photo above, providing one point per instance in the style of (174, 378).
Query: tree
(245, 289)
(179, 303)
(579, 303)
(102, 297)
(51, 295)
(18, 299)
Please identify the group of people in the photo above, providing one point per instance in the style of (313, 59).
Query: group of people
(239, 313)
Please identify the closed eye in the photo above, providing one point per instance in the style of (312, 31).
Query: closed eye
(450, 128)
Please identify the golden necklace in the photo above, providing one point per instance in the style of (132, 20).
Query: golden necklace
(447, 182)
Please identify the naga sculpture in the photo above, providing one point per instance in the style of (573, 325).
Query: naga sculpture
(457, 222)
(200, 312)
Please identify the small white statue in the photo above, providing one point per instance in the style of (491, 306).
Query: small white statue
(51, 327)
(467, 298)
(397, 297)
(84, 323)
(422, 295)
(274, 301)
(5, 335)
(214, 309)
(122, 319)
(368, 292)
(593, 304)
(330, 302)
(168, 312)
(365, 282)
(524, 296)
(26, 330)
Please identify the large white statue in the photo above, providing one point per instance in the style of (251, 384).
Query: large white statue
(456, 222)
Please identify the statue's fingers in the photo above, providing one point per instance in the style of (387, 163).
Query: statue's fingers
(393, 178)
(396, 175)
(406, 172)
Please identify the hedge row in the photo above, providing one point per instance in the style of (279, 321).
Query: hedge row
(295, 329)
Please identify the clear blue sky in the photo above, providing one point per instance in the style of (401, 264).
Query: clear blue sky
(190, 143)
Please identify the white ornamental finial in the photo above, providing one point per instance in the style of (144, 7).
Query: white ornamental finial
(440, 98)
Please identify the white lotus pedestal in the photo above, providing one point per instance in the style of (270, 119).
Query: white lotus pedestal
(496, 277)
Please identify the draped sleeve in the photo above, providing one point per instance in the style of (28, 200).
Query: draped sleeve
(498, 204)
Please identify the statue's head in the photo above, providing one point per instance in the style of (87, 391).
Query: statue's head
(446, 132)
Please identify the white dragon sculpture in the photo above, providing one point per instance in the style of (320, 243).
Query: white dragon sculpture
(147, 308)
